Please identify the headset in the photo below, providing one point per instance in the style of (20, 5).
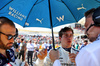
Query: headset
(96, 18)
(10, 55)
(16, 32)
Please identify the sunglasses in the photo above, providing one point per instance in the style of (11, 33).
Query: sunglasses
(10, 36)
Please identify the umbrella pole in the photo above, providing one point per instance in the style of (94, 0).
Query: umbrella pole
(51, 25)
(53, 38)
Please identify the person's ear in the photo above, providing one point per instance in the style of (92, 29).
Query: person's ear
(60, 39)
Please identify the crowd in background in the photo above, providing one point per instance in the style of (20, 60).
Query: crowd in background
(28, 46)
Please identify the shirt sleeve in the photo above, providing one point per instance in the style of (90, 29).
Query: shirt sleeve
(56, 63)
(45, 62)
(39, 62)
(85, 58)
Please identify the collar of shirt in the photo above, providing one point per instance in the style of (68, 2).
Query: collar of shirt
(67, 49)
(98, 38)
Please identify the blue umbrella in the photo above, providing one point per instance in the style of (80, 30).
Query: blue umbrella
(79, 7)
(45, 13)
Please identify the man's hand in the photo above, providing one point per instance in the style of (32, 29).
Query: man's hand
(54, 55)
(42, 54)
(72, 57)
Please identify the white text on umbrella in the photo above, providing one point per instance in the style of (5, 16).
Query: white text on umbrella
(81, 7)
(60, 18)
(39, 20)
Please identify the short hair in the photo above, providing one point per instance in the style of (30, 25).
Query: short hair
(89, 12)
(22, 39)
(4, 20)
(85, 40)
(64, 30)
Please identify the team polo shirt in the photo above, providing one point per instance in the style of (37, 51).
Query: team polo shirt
(89, 55)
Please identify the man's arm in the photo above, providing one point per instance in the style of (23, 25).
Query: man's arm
(41, 55)
(44, 61)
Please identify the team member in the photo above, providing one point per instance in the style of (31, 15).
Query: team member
(66, 37)
(90, 55)
(7, 36)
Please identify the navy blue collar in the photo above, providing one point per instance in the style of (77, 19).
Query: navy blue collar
(67, 49)
(98, 38)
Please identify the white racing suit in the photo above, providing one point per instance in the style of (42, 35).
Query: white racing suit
(64, 58)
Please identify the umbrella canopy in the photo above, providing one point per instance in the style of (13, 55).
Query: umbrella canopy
(45, 13)
(79, 7)
(40, 13)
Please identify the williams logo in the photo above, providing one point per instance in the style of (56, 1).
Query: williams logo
(60, 18)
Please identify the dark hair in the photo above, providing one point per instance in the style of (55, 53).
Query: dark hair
(4, 20)
(22, 39)
(85, 40)
(64, 30)
(89, 12)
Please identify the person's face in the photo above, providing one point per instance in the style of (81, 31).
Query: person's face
(85, 43)
(35, 42)
(8, 30)
(66, 39)
(18, 41)
(30, 41)
(91, 33)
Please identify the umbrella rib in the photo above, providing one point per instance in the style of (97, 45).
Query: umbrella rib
(6, 4)
(98, 1)
(69, 10)
(39, 2)
(29, 13)
(31, 10)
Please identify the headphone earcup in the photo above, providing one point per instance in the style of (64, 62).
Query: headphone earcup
(10, 55)
(16, 32)
(96, 17)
